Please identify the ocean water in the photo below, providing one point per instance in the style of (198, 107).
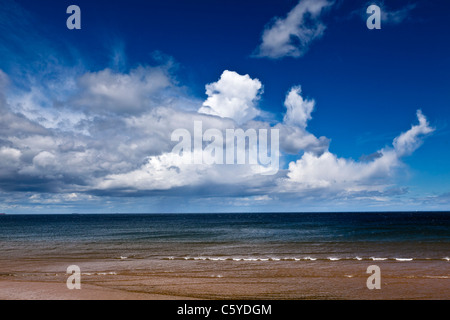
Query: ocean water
(274, 237)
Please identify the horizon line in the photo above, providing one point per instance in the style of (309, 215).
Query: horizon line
(212, 213)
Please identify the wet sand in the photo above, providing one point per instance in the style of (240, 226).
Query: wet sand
(170, 280)
(29, 290)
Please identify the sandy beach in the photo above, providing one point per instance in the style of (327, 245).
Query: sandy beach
(173, 280)
(28, 290)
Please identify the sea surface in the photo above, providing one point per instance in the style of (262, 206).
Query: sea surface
(387, 236)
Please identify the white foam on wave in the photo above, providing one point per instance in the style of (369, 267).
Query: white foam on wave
(265, 259)
(446, 258)
(123, 257)
(437, 277)
(106, 273)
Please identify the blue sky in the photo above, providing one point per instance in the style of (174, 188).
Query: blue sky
(87, 114)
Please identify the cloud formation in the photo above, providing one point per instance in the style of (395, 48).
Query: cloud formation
(233, 96)
(409, 141)
(294, 136)
(109, 151)
(328, 171)
(292, 36)
(113, 92)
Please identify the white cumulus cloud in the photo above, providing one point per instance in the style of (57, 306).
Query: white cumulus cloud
(331, 172)
(293, 133)
(233, 96)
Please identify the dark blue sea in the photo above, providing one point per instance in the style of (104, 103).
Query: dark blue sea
(393, 236)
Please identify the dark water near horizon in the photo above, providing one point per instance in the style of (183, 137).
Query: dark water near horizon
(240, 237)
